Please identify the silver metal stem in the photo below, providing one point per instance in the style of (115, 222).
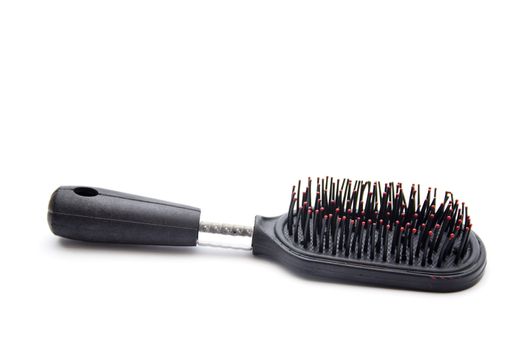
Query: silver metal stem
(226, 229)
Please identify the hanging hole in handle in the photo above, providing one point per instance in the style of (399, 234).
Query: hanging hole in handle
(86, 191)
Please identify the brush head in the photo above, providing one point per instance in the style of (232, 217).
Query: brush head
(364, 232)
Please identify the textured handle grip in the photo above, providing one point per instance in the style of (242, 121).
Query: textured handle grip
(99, 215)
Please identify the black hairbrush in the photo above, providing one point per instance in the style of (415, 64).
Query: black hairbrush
(358, 232)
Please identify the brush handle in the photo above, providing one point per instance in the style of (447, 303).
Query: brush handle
(100, 215)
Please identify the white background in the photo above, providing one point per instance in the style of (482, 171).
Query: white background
(224, 105)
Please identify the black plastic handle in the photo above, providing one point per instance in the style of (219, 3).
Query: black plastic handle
(99, 215)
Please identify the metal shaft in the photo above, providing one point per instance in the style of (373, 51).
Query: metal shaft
(226, 229)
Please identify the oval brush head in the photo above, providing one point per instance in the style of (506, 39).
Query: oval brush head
(363, 232)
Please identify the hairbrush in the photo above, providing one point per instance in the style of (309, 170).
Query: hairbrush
(349, 231)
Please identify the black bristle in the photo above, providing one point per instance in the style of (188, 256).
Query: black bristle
(328, 228)
(315, 226)
(342, 230)
(444, 249)
(360, 240)
(306, 238)
(398, 244)
(404, 240)
(334, 236)
(378, 240)
(367, 236)
(386, 229)
(410, 246)
(425, 247)
(348, 237)
(354, 236)
(296, 226)
(372, 245)
(463, 249)
(322, 233)
(395, 237)
(421, 239)
(290, 212)
(430, 251)
(298, 192)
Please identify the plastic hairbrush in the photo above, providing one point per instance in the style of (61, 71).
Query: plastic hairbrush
(342, 230)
